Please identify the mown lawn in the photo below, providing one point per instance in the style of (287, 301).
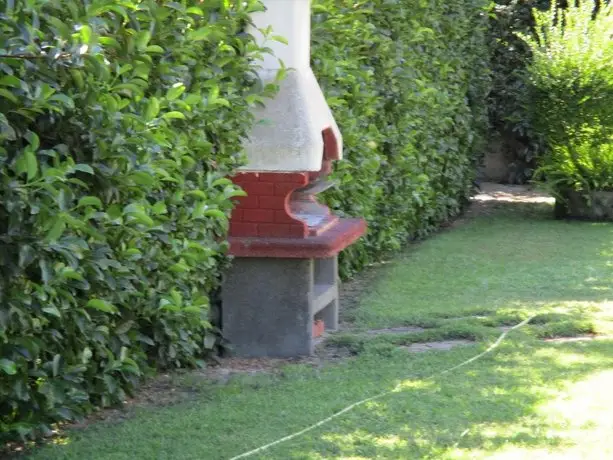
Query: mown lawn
(528, 398)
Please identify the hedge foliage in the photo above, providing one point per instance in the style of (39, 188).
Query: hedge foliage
(119, 122)
(407, 81)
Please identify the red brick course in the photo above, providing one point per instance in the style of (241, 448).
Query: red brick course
(264, 212)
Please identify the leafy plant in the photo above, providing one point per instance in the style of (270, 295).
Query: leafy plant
(570, 72)
(583, 166)
(119, 122)
(407, 82)
(571, 78)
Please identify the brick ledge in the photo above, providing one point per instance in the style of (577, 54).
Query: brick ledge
(327, 244)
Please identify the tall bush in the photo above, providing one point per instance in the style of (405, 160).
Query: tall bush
(407, 82)
(571, 89)
(119, 121)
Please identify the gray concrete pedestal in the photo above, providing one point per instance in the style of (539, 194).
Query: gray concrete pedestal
(269, 305)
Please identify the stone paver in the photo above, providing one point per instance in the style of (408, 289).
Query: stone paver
(430, 346)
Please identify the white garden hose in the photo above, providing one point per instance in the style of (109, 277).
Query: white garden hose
(380, 395)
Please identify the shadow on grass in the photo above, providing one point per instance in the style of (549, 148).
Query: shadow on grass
(491, 406)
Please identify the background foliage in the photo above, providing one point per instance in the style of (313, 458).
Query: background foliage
(508, 102)
(119, 121)
(407, 82)
(571, 86)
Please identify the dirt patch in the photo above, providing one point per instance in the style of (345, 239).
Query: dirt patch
(492, 197)
(510, 194)
(440, 346)
(352, 291)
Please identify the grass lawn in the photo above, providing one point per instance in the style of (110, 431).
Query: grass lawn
(529, 398)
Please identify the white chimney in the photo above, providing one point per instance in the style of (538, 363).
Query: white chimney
(291, 136)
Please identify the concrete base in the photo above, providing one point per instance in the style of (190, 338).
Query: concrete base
(595, 206)
(269, 304)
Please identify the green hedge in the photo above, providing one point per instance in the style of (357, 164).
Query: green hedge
(407, 82)
(119, 121)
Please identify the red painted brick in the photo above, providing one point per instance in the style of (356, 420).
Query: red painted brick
(296, 178)
(282, 217)
(326, 169)
(243, 178)
(272, 202)
(285, 188)
(241, 229)
(273, 230)
(258, 215)
(331, 147)
(248, 202)
(271, 177)
(298, 231)
(237, 215)
(260, 188)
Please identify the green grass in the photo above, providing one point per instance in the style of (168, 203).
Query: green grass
(497, 270)
(527, 399)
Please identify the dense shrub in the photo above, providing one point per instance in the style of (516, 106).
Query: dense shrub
(571, 86)
(407, 83)
(118, 122)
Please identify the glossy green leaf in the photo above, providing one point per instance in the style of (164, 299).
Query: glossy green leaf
(6, 94)
(29, 163)
(159, 208)
(280, 39)
(57, 360)
(175, 91)
(154, 49)
(173, 115)
(10, 80)
(84, 168)
(142, 218)
(101, 305)
(8, 367)
(57, 229)
(142, 39)
(52, 310)
(215, 213)
(200, 34)
(90, 201)
(86, 34)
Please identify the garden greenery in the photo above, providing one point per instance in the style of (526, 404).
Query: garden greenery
(407, 82)
(511, 127)
(571, 88)
(119, 123)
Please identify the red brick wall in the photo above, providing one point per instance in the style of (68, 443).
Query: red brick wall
(264, 211)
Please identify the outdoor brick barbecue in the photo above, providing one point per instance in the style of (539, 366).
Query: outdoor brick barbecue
(282, 289)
